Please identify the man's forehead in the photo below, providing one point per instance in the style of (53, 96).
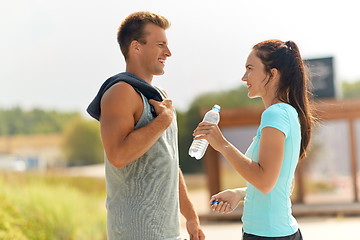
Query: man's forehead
(152, 28)
(155, 32)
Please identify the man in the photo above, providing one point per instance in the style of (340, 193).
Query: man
(144, 184)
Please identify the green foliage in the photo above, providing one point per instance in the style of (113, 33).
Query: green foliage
(351, 90)
(187, 122)
(44, 208)
(16, 121)
(82, 142)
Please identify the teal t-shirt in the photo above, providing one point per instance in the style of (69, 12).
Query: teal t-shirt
(270, 214)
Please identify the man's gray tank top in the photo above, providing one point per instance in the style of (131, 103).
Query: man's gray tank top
(143, 197)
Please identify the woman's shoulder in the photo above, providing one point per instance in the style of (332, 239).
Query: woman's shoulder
(279, 116)
(280, 108)
(281, 112)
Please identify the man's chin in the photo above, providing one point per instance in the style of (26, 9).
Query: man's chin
(160, 73)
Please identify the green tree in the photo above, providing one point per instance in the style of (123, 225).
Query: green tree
(187, 122)
(82, 143)
(17, 121)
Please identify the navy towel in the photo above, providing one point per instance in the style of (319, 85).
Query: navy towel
(137, 83)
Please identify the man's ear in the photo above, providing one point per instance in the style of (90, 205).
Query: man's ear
(134, 46)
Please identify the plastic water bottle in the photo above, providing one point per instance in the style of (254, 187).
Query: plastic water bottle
(198, 147)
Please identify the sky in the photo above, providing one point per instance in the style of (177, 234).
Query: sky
(56, 54)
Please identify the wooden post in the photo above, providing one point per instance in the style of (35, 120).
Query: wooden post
(212, 170)
(352, 132)
(299, 183)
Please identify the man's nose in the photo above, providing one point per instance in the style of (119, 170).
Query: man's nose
(167, 52)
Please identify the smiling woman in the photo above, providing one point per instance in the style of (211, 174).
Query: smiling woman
(275, 73)
(255, 77)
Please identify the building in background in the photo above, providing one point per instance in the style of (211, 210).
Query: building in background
(31, 152)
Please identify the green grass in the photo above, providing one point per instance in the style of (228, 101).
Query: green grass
(51, 207)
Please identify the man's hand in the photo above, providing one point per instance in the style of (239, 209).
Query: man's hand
(164, 109)
(194, 230)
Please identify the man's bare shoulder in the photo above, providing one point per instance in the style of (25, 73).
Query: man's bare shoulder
(121, 96)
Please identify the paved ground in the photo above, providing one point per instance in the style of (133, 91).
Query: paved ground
(314, 228)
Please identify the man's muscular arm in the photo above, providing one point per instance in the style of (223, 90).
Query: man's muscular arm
(121, 107)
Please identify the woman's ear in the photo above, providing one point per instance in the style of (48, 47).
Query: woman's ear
(275, 74)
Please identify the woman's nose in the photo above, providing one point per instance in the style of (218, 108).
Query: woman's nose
(244, 78)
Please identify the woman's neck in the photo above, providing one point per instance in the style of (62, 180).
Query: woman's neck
(270, 101)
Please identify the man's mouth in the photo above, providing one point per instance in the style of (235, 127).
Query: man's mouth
(162, 60)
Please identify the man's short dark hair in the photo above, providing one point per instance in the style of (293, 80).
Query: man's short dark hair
(132, 28)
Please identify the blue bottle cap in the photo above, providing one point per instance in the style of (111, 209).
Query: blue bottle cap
(216, 108)
(215, 202)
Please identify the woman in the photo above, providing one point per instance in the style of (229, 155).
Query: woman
(275, 72)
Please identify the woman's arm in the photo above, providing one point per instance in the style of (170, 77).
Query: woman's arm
(262, 174)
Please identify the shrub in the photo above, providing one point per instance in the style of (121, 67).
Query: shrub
(35, 208)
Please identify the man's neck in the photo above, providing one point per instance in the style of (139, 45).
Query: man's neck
(147, 78)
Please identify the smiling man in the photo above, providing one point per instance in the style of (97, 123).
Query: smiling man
(145, 187)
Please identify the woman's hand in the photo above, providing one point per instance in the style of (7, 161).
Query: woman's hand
(227, 200)
(212, 134)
